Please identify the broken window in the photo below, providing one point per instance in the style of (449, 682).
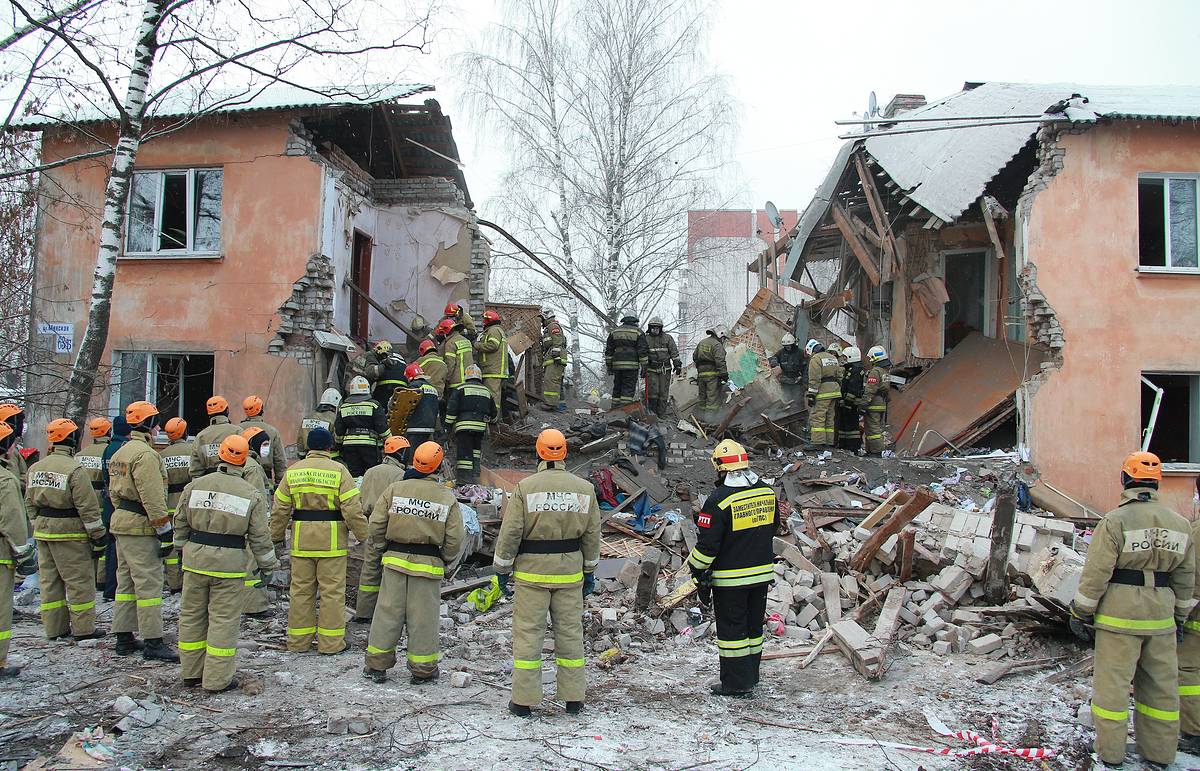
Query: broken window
(179, 384)
(1167, 222)
(174, 212)
(1175, 429)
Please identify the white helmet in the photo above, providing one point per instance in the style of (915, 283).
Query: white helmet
(472, 372)
(721, 332)
(358, 386)
(332, 397)
(876, 354)
(852, 354)
(835, 349)
(789, 338)
(812, 346)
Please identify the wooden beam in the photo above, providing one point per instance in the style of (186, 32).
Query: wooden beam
(921, 498)
(842, 218)
(878, 211)
(907, 546)
(866, 231)
(995, 583)
(991, 229)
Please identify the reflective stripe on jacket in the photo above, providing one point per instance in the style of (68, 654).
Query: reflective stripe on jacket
(470, 408)
(459, 355)
(58, 482)
(493, 352)
(422, 513)
(318, 484)
(824, 376)
(736, 527)
(709, 358)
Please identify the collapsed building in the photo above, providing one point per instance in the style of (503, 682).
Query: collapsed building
(1027, 253)
(262, 237)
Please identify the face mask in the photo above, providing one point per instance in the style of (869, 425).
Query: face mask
(265, 450)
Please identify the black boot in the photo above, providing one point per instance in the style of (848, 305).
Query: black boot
(419, 679)
(574, 707)
(95, 635)
(520, 710)
(1189, 743)
(192, 682)
(127, 645)
(720, 689)
(9, 672)
(378, 675)
(232, 685)
(156, 649)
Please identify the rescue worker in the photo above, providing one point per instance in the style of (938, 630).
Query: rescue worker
(848, 436)
(492, 352)
(319, 494)
(391, 376)
(258, 602)
(374, 482)
(824, 389)
(457, 352)
(91, 460)
(360, 425)
(459, 317)
(424, 416)
(554, 362)
(137, 485)
(625, 354)
(220, 517)
(792, 372)
(11, 458)
(417, 526)
(421, 330)
(875, 399)
(322, 416)
(108, 563)
(176, 457)
(1136, 590)
(15, 549)
(434, 367)
(549, 542)
(208, 441)
(711, 371)
(468, 411)
(273, 460)
(663, 356)
(1189, 666)
(733, 557)
(368, 363)
(69, 533)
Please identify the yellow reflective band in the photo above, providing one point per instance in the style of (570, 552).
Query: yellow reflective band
(1189, 690)
(1193, 626)
(874, 436)
(1109, 714)
(191, 646)
(432, 570)
(149, 602)
(569, 662)
(81, 607)
(302, 630)
(877, 408)
(7, 633)
(424, 658)
(53, 605)
(213, 573)
(527, 663)
(39, 535)
(368, 589)
(211, 651)
(279, 496)
(746, 495)
(126, 597)
(331, 632)
(733, 653)
(547, 578)
(732, 644)
(349, 494)
(1157, 714)
(739, 572)
(331, 553)
(171, 561)
(377, 651)
(252, 582)
(9, 562)
(1132, 623)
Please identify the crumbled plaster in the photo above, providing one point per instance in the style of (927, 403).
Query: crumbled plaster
(308, 309)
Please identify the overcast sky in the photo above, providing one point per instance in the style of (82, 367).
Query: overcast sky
(798, 66)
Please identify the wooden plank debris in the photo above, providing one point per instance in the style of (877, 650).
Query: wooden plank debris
(842, 218)
(921, 498)
(831, 588)
(889, 617)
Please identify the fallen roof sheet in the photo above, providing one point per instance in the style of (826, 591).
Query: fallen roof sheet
(817, 207)
(975, 378)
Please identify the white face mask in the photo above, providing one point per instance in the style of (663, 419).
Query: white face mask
(265, 450)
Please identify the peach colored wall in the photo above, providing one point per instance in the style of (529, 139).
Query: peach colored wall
(1082, 235)
(227, 306)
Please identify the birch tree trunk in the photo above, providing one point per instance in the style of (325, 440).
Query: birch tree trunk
(116, 197)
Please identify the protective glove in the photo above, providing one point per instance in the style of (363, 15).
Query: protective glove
(99, 544)
(704, 595)
(166, 542)
(811, 400)
(1081, 624)
(26, 560)
(589, 584)
(502, 580)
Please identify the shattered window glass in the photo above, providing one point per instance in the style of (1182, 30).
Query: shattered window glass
(172, 232)
(143, 197)
(1183, 222)
(174, 211)
(131, 378)
(206, 218)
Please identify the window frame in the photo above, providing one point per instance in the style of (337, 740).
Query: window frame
(1192, 466)
(1167, 176)
(189, 252)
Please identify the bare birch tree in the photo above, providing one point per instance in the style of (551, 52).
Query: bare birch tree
(129, 62)
(616, 127)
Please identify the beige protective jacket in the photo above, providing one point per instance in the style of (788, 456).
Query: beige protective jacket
(824, 376)
(91, 460)
(492, 352)
(14, 525)
(218, 516)
(177, 458)
(208, 444)
(415, 515)
(137, 484)
(59, 495)
(434, 367)
(320, 495)
(377, 479)
(318, 418)
(275, 456)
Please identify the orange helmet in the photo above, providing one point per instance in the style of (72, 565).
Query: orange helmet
(552, 445)
(5, 431)
(8, 410)
(139, 411)
(234, 450)
(426, 346)
(60, 429)
(252, 405)
(490, 317)
(394, 444)
(251, 432)
(216, 405)
(176, 428)
(413, 371)
(1143, 465)
(444, 327)
(453, 310)
(428, 457)
(99, 427)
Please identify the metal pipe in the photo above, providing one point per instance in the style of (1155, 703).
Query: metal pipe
(879, 121)
(941, 436)
(946, 128)
(346, 282)
(1148, 431)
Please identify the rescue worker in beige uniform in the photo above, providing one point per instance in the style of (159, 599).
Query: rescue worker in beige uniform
(176, 460)
(711, 370)
(434, 367)
(492, 352)
(319, 497)
(137, 485)
(92, 461)
(1189, 668)
(15, 551)
(273, 460)
(458, 354)
(1135, 591)
(219, 517)
(550, 543)
(258, 601)
(875, 399)
(208, 441)
(11, 457)
(68, 529)
(374, 482)
(321, 417)
(824, 390)
(418, 526)
(554, 362)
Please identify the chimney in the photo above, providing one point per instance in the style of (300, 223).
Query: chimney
(902, 103)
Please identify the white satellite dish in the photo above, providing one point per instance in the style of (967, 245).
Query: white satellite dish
(872, 105)
(773, 215)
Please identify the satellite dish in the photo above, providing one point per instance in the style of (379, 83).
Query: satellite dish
(872, 105)
(773, 215)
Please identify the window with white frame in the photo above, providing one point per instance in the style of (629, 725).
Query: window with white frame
(1171, 417)
(179, 384)
(1167, 221)
(174, 212)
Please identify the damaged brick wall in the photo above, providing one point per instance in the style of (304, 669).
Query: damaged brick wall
(481, 266)
(418, 191)
(309, 309)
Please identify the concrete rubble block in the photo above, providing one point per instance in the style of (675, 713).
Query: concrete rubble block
(608, 618)
(962, 616)
(882, 583)
(629, 574)
(1023, 540)
(801, 594)
(959, 524)
(624, 641)
(781, 593)
(986, 644)
(918, 595)
(850, 587)
(942, 647)
(887, 552)
(1056, 573)
(460, 679)
(936, 602)
(656, 626)
(807, 615)
(1059, 527)
(780, 571)
(947, 634)
(861, 533)
(921, 639)
(803, 538)
(123, 705)
(805, 578)
(908, 617)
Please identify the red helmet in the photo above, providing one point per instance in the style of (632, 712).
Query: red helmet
(426, 346)
(453, 310)
(444, 327)
(490, 317)
(413, 371)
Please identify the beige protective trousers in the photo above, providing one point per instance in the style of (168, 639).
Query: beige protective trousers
(529, 632)
(552, 377)
(138, 606)
(369, 582)
(254, 594)
(822, 417)
(1150, 664)
(1189, 681)
(173, 570)
(68, 587)
(329, 627)
(496, 386)
(406, 603)
(210, 616)
(7, 574)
